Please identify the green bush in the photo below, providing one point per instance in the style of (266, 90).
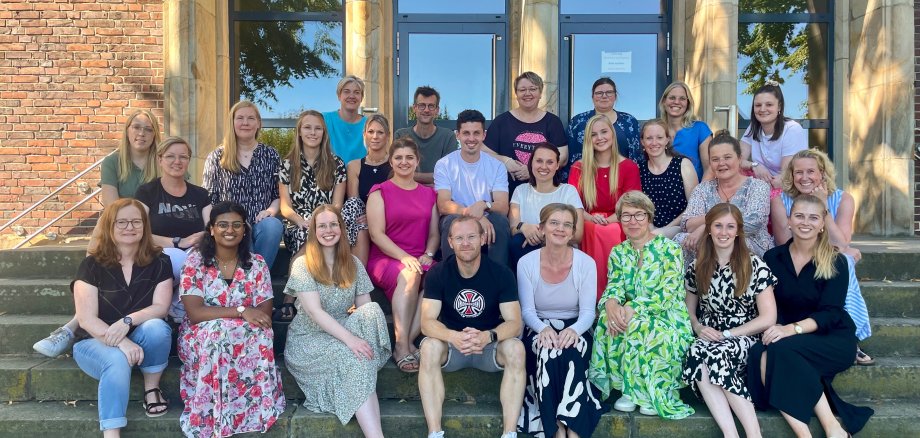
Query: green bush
(278, 138)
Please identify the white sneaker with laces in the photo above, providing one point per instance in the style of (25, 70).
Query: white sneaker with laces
(624, 404)
(438, 434)
(56, 344)
(509, 435)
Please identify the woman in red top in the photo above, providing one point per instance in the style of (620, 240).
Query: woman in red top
(601, 177)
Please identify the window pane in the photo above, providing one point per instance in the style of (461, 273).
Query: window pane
(792, 54)
(451, 7)
(787, 6)
(631, 60)
(459, 66)
(289, 66)
(288, 5)
(611, 7)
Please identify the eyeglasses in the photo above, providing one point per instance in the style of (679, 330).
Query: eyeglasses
(608, 93)
(223, 226)
(557, 224)
(472, 238)
(122, 224)
(639, 217)
(142, 128)
(531, 90)
(182, 158)
(423, 107)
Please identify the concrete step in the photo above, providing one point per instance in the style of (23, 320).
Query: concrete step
(405, 419)
(894, 337)
(24, 378)
(892, 298)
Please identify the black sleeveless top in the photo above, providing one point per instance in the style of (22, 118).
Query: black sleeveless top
(666, 191)
(370, 176)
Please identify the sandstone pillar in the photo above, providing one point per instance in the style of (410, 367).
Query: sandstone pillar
(369, 50)
(536, 42)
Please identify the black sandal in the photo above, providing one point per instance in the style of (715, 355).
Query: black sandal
(285, 313)
(151, 408)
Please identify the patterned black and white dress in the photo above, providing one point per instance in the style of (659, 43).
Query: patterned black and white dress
(306, 199)
(721, 310)
(254, 187)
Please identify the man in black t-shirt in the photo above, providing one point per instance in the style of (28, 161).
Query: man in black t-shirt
(471, 318)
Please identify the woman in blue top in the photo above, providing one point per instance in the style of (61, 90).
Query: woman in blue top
(604, 95)
(691, 136)
(346, 124)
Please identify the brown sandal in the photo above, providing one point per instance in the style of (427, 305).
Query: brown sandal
(863, 359)
(151, 408)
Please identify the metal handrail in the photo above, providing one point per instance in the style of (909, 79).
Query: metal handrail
(731, 114)
(54, 192)
(45, 227)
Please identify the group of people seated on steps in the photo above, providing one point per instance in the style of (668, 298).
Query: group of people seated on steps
(582, 262)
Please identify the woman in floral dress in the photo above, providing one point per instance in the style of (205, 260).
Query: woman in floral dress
(643, 331)
(228, 380)
(734, 290)
(334, 356)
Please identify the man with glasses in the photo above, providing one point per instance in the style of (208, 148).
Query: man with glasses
(471, 318)
(434, 142)
(472, 183)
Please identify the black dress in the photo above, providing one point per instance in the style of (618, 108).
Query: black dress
(801, 367)
(665, 190)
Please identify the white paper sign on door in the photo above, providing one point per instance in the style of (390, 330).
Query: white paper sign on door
(616, 62)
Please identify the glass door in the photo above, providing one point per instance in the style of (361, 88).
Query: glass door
(465, 62)
(634, 55)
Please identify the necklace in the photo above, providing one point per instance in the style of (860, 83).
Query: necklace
(723, 195)
(375, 164)
(224, 265)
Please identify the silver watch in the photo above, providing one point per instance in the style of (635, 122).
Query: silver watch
(240, 310)
(726, 334)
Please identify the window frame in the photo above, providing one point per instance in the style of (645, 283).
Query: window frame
(235, 16)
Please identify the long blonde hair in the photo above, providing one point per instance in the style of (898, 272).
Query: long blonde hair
(688, 118)
(587, 182)
(825, 166)
(344, 273)
(106, 251)
(707, 261)
(325, 165)
(824, 254)
(124, 153)
(229, 160)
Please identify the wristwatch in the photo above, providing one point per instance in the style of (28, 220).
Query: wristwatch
(726, 334)
(430, 254)
(240, 310)
(519, 225)
(754, 164)
(488, 205)
(176, 241)
(127, 320)
(492, 336)
(798, 329)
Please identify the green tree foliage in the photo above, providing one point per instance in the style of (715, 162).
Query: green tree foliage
(773, 47)
(280, 139)
(443, 115)
(273, 53)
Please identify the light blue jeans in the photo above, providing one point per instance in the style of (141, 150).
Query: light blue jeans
(110, 367)
(266, 238)
(177, 257)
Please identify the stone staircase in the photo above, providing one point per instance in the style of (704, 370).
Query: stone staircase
(52, 396)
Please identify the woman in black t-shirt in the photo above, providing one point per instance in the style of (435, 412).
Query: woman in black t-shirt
(121, 294)
(176, 208)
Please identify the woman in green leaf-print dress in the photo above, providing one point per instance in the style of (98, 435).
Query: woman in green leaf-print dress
(643, 332)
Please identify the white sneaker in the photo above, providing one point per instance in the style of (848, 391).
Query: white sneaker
(509, 435)
(648, 411)
(624, 404)
(56, 344)
(438, 434)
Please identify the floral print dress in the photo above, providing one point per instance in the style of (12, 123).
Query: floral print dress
(228, 380)
(645, 362)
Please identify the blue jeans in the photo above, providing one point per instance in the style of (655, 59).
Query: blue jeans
(266, 238)
(110, 367)
(177, 258)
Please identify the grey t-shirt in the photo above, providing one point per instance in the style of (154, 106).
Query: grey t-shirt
(432, 148)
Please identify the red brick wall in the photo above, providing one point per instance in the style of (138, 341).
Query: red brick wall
(70, 73)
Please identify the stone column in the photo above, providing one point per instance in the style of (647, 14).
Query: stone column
(880, 108)
(197, 74)
(369, 50)
(708, 62)
(537, 48)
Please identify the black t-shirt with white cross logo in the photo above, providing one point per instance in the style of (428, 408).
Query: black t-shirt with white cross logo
(470, 302)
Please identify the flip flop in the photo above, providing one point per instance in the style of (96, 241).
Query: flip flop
(285, 313)
(863, 359)
(151, 408)
(405, 363)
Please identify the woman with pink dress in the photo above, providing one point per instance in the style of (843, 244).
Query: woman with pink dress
(402, 218)
(601, 177)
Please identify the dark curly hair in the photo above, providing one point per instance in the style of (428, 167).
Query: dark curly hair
(207, 246)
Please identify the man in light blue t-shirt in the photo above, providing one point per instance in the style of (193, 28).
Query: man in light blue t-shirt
(475, 184)
(346, 124)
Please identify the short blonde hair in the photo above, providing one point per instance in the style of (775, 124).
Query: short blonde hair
(349, 79)
(636, 199)
(168, 142)
(825, 166)
(530, 76)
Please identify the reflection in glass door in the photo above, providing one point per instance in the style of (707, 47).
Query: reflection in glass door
(635, 58)
(461, 61)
